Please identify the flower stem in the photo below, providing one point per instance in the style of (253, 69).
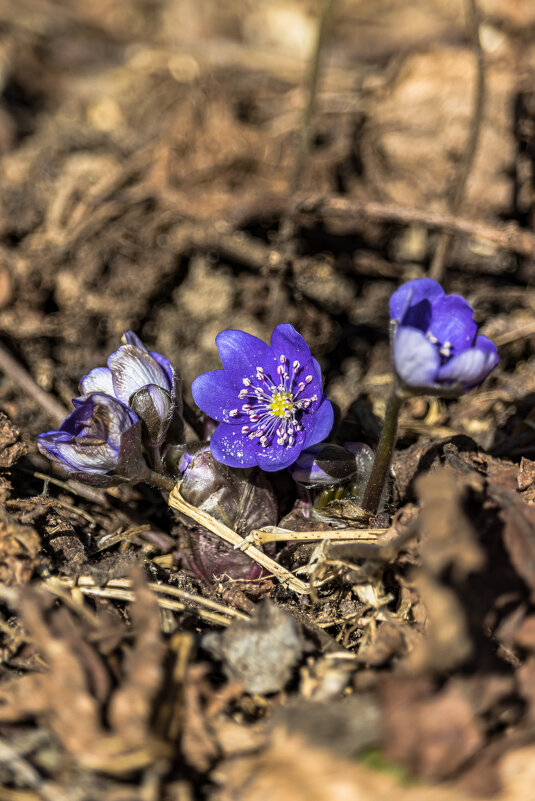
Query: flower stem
(383, 457)
(157, 480)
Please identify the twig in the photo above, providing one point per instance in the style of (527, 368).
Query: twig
(121, 589)
(261, 536)
(20, 376)
(280, 255)
(508, 237)
(305, 133)
(522, 332)
(176, 501)
(458, 189)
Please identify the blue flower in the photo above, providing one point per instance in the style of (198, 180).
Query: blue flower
(145, 381)
(99, 443)
(436, 344)
(268, 399)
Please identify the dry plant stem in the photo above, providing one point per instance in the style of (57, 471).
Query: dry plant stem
(20, 376)
(274, 534)
(507, 237)
(305, 134)
(121, 589)
(436, 270)
(176, 501)
(279, 257)
(383, 456)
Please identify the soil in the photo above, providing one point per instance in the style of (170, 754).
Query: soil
(147, 151)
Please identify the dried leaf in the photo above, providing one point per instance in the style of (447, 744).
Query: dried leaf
(518, 532)
(433, 735)
(19, 551)
(261, 652)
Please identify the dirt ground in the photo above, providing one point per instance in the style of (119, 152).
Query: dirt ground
(148, 181)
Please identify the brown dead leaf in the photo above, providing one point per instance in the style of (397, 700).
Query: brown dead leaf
(518, 532)
(432, 735)
(446, 643)
(448, 538)
(19, 551)
(290, 769)
(132, 704)
(526, 474)
(260, 652)
(11, 445)
(68, 696)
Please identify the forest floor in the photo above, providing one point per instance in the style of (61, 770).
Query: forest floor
(147, 149)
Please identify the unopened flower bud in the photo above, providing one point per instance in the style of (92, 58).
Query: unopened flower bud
(242, 499)
(324, 464)
(99, 443)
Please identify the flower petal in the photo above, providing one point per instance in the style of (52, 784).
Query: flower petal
(319, 426)
(415, 358)
(167, 366)
(453, 321)
(230, 446)
(411, 293)
(278, 457)
(98, 380)
(472, 366)
(130, 338)
(132, 369)
(242, 353)
(285, 340)
(216, 396)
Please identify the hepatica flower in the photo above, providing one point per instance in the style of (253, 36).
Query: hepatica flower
(268, 399)
(98, 443)
(145, 381)
(436, 344)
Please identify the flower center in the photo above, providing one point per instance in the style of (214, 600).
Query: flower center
(280, 403)
(274, 410)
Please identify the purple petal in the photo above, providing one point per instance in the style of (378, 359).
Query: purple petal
(216, 396)
(64, 448)
(320, 424)
(278, 457)
(453, 321)
(133, 369)
(167, 366)
(242, 353)
(286, 341)
(98, 380)
(411, 293)
(472, 366)
(230, 446)
(415, 358)
(83, 456)
(129, 338)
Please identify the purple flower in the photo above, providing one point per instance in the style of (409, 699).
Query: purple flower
(268, 399)
(145, 381)
(99, 443)
(436, 344)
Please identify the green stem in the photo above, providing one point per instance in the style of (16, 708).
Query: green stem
(383, 457)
